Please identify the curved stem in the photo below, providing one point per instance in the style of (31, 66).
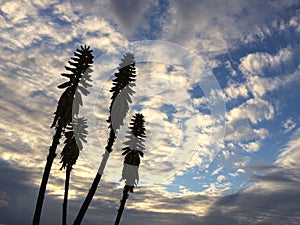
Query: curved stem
(95, 183)
(50, 158)
(87, 200)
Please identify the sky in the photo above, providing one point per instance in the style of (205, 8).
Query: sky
(217, 81)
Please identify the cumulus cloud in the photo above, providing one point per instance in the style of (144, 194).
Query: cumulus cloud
(240, 133)
(261, 63)
(255, 110)
(235, 90)
(257, 85)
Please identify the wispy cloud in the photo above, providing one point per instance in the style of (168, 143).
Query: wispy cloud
(288, 158)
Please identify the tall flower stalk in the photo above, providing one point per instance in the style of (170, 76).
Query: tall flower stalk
(133, 151)
(79, 65)
(76, 134)
(121, 97)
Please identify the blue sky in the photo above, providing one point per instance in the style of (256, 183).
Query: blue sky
(218, 84)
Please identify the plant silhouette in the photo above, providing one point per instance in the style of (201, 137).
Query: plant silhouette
(79, 66)
(121, 97)
(133, 151)
(75, 135)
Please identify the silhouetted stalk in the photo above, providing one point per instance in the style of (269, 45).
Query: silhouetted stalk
(75, 134)
(121, 92)
(122, 203)
(132, 152)
(65, 203)
(50, 158)
(80, 64)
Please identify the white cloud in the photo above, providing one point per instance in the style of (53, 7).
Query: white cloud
(235, 90)
(244, 132)
(220, 178)
(42, 4)
(259, 86)
(240, 133)
(253, 146)
(217, 171)
(217, 188)
(295, 22)
(256, 110)
(12, 10)
(260, 63)
(228, 66)
(256, 85)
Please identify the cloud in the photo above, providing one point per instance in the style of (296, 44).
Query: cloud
(234, 90)
(283, 174)
(129, 13)
(288, 125)
(283, 177)
(244, 132)
(290, 155)
(261, 167)
(295, 22)
(152, 205)
(13, 12)
(255, 110)
(18, 196)
(253, 146)
(167, 135)
(36, 49)
(258, 85)
(220, 178)
(255, 208)
(265, 201)
(261, 63)
(217, 171)
(214, 27)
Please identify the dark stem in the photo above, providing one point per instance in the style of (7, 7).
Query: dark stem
(122, 203)
(65, 203)
(50, 158)
(94, 186)
(87, 200)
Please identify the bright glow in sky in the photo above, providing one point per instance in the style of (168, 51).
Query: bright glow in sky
(218, 84)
